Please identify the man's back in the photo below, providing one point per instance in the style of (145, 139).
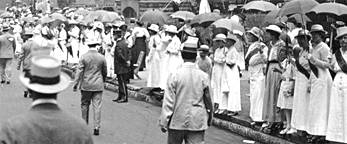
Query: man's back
(7, 46)
(45, 124)
(27, 50)
(187, 88)
(94, 71)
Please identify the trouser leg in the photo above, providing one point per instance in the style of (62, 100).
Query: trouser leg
(195, 137)
(85, 102)
(2, 69)
(8, 69)
(96, 100)
(123, 89)
(176, 136)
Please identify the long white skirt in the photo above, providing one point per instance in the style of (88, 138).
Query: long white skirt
(257, 86)
(337, 121)
(301, 102)
(231, 100)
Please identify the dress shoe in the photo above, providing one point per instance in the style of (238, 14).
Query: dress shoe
(96, 131)
(8, 82)
(122, 101)
(25, 94)
(2, 82)
(116, 100)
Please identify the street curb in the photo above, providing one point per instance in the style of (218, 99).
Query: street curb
(233, 127)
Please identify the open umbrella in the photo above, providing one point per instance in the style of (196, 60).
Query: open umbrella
(6, 15)
(104, 16)
(298, 18)
(28, 19)
(297, 7)
(330, 8)
(185, 15)
(154, 16)
(58, 16)
(259, 5)
(2, 11)
(229, 25)
(205, 19)
(271, 16)
(83, 12)
(44, 20)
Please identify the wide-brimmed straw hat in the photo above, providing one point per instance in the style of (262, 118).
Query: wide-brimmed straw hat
(154, 27)
(190, 45)
(204, 48)
(274, 28)
(256, 32)
(45, 75)
(302, 33)
(318, 28)
(232, 37)
(171, 29)
(341, 32)
(221, 37)
(190, 31)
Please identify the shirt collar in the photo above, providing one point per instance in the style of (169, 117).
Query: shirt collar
(188, 64)
(95, 49)
(41, 101)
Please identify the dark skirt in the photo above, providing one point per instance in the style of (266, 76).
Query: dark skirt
(139, 45)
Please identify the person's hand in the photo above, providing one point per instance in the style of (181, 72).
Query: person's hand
(163, 129)
(18, 67)
(75, 88)
(309, 56)
(128, 63)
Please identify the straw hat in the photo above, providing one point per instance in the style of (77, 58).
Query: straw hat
(92, 43)
(190, 32)
(190, 45)
(171, 29)
(73, 22)
(204, 48)
(302, 33)
(256, 32)
(341, 32)
(318, 28)
(274, 28)
(232, 37)
(221, 37)
(45, 75)
(154, 27)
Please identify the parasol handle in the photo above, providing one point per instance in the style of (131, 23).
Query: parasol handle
(166, 5)
(304, 25)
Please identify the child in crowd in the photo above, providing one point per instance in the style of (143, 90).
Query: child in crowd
(203, 61)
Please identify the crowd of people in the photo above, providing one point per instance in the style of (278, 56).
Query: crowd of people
(291, 88)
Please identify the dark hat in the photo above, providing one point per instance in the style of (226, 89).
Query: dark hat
(303, 33)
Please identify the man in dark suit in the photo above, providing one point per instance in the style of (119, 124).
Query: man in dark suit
(45, 123)
(122, 57)
(91, 75)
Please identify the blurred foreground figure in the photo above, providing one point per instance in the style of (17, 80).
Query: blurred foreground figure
(45, 122)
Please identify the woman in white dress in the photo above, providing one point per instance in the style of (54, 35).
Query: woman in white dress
(169, 53)
(107, 46)
(301, 96)
(320, 85)
(337, 120)
(153, 59)
(219, 59)
(255, 63)
(232, 95)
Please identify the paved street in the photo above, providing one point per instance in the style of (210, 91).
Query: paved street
(131, 123)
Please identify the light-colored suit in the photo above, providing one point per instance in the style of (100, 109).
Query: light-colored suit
(7, 48)
(91, 75)
(187, 104)
(45, 123)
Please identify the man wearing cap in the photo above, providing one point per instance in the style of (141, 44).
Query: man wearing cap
(45, 122)
(25, 54)
(90, 77)
(122, 58)
(7, 49)
(187, 105)
(203, 61)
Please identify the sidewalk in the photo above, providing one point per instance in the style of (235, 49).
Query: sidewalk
(239, 124)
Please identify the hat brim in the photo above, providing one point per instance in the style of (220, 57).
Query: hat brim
(303, 36)
(340, 35)
(203, 49)
(319, 31)
(216, 39)
(156, 30)
(188, 51)
(175, 32)
(267, 30)
(190, 33)
(63, 84)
